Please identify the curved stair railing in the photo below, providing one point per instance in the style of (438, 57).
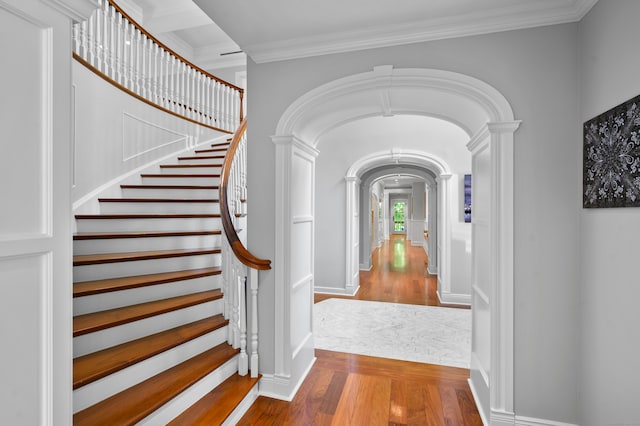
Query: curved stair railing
(122, 52)
(116, 46)
(242, 266)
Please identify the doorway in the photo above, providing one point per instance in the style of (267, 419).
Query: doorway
(399, 217)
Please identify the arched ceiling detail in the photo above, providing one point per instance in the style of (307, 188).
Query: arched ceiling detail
(462, 100)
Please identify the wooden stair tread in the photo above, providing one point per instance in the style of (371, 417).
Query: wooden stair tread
(221, 144)
(217, 405)
(179, 166)
(93, 259)
(148, 216)
(91, 367)
(167, 175)
(200, 157)
(96, 321)
(158, 200)
(198, 151)
(213, 187)
(87, 288)
(135, 403)
(139, 234)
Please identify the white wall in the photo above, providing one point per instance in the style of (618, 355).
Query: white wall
(609, 291)
(536, 71)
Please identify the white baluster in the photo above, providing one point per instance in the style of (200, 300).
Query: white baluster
(253, 286)
(120, 59)
(84, 42)
(98, 39)
(157, 74)
(243, 360)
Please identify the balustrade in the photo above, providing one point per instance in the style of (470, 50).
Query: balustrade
(116, 46)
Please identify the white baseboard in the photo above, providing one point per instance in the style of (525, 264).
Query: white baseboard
(432, 271)
(531, 421)
(502, 418)
(352, 291)
(281, 387)
(364, 268)
(454, 298)
(417, 243)
(476, 399)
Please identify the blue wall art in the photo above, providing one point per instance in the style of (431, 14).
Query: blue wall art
(611, 158)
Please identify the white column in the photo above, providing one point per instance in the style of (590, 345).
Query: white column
(293, 266)
(352, 278)
(444, 234)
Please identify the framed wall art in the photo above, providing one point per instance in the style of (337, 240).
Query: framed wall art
(611, 158)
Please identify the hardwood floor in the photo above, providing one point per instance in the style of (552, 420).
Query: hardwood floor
(399, 275)
(347, 389)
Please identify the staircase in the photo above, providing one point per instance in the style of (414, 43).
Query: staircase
(150, 329)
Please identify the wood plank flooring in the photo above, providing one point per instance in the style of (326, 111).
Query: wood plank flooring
(347, 389)
(399, 275)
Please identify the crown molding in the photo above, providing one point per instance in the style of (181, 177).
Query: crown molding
(520, 17)
(78, 10)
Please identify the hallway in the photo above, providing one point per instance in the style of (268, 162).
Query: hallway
(347, 389)
(398, 275)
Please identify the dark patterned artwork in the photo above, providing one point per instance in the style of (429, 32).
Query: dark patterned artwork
(611, 158)
(467, 198)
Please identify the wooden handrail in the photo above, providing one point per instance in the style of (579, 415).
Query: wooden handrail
(172, 52)
(238, 248)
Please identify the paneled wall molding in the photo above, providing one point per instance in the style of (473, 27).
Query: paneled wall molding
(295, 168)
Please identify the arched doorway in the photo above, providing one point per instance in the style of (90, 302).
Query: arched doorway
(482, 112)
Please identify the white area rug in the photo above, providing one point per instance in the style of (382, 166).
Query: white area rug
(418, 333)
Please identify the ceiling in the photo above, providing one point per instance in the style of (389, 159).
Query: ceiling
(286, 29)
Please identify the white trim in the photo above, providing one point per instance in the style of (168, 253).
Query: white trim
(474, 393)
(337, 291)
(304, 280)
(502, 418)
(480, 293)
(304, 342)
(182, 136)
(301, 219)
(518, 17)
(454, 298)
(398, 156)
(531, 421)
(365, 268)
(279, 387)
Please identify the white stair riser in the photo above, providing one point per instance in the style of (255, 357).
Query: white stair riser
(102, 339)
(116, 299)
(190, 396)
(144, 225)
(214, 168)
(169, 193)
(243, 407)
(160, 208)
(118, 245)
(186, 180)
(101, 389)
(144, 267)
